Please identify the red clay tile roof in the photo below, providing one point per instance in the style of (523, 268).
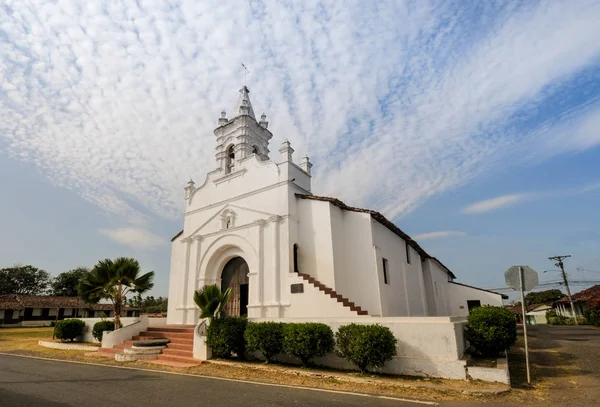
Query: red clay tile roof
(381, 219)
(584, 295)
(9, 301)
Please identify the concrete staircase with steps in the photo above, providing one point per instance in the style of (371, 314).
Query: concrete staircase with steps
(179, 351)
(333, 294)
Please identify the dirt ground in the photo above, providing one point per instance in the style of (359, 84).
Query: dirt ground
(565, 369)
(565, 364)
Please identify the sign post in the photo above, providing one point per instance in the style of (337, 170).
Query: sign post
(522, 278)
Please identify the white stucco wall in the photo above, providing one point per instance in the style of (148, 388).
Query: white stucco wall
(405, 293)
(355, 267)
(427, 346)
(314, 302)
(459, 295)
(436, 282)
(315, 252)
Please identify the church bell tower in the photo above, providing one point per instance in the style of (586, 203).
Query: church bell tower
(242, 136)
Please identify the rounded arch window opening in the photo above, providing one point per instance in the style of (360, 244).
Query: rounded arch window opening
(235, 276)
(230, 159)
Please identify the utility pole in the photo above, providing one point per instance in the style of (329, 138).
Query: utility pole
(559, 263)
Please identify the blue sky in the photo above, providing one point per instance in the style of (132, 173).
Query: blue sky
(475, 126)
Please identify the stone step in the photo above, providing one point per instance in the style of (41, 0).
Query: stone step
(171, 329)
(180, 346)
(189, 341)
(183, 359)
(168, 335)
(178, 352)
(333, 294)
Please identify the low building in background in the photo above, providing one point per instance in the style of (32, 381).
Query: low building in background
(40, 310)
(581, 300)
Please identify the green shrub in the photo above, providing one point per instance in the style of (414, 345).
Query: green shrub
(560, 320)
(366, 346)
(226, 336)
(265, 337)
(307, 340)
(593, 317)
(69, 329)
(490, 330)
(100, 327)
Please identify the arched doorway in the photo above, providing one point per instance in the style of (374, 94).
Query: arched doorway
(235, 275)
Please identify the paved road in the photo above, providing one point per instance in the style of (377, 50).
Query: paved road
(34, 382)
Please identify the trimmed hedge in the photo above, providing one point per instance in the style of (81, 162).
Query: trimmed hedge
(69, 329)
(490, 330)
(100, 327)
(307, 340)
(226, 337)
(265, 337)
(366, 346)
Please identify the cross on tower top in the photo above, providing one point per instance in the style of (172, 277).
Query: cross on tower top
(246, 72)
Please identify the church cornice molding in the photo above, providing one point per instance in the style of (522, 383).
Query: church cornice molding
(232, 175)
(247, 194)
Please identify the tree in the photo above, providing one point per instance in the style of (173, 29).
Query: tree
(113, 280)
(25, 280)
(149, 304)
(543, 296)
(67, 284)
(211, 301)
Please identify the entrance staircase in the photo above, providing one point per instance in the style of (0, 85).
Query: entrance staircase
(333, 294)
(179, 351)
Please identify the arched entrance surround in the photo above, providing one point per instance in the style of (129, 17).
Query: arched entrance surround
(217, 258)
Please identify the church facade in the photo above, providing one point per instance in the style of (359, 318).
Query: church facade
(254, 225)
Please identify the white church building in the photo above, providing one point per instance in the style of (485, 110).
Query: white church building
(254, 225)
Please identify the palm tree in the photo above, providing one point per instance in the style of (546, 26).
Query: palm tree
(113, 280)
(211, 301)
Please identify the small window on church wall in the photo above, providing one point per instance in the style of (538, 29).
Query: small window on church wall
(254, 150)
(407, 253)
(386, 278)
(296, 269)
(228, 222)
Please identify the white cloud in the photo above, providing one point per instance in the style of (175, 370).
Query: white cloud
(495, 203)
(135, 237)
(489, 205)
(439, 234)
(394, 102)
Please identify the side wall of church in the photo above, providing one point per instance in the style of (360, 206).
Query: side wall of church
(315, 247)
(354, 259)
(404, 293)
(436, 288)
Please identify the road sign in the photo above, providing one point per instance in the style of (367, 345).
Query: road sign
(513, 280)
(522, 278)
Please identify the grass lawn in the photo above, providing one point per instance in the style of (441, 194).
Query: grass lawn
(24, 341)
